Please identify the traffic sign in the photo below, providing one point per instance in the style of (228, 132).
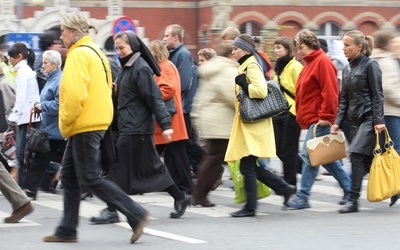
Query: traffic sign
(123, 24)
(31, 40)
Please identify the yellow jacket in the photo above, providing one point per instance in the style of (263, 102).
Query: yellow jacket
(85, 94)
(255, 138)
(288, 80)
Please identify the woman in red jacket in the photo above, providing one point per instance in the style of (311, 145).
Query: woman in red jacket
(316, 103)
(175, 156)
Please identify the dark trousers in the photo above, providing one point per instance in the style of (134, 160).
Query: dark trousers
(40, 163)
(360, 166)
(193, 149)
(210, 167)
(287, 133)
(177, 163)
(21, 142)
(82, 164)
(251, 172)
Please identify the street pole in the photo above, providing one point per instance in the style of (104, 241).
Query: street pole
(20, 14)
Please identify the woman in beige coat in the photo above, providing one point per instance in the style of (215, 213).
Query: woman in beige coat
(249, 141)
(212, 114)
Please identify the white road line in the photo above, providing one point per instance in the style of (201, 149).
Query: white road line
(22, 223)
(88, 210)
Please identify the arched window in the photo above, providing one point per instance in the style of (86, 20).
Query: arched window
(251, 28)
(330, 31)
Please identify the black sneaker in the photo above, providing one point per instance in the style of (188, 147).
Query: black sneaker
(105, 217)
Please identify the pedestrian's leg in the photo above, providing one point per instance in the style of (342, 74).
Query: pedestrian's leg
(210, 169)
(86, 155)
(247, 168)
(69, 223)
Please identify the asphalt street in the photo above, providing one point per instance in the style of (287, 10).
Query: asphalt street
(321, 226)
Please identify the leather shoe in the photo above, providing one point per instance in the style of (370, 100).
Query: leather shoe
(20, 213)
(105, 217)
(349, 207)
(393, 199)
(244, 213)
(290, 190)
(55, 238)
(138, 230)
(180, 206)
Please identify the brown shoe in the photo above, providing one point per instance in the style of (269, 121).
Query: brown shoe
(55, 238)
(137, 232)
(20, 213)
(203, 202)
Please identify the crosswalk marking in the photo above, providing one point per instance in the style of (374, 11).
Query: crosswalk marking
(22, 223)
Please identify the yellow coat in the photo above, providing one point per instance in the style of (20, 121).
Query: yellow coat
(288, 80)
(85, 93)
(255, 138)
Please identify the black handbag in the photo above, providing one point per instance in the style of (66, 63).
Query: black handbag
(170, 104)
(37, 139)
(253, 109)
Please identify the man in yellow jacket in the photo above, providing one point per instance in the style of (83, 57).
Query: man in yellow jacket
(86, 112)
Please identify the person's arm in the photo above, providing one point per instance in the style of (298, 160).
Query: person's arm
(329, 91)
(150, 93)
(51, 106)
(374, 77)
(21, 83)
(73, 87)
(184, 65)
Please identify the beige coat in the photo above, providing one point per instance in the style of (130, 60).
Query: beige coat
(251, 138)
(213, 106)
(390, 81)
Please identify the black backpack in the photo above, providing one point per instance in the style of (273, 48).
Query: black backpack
(41, 78)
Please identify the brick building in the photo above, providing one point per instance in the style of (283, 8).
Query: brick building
(203, 20)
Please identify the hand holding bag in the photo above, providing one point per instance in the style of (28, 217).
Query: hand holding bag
(238, 182)
(384, 175)
(37, 139)
(327, 148)
(253, 109)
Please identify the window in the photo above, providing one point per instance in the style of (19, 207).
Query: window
(251, 28)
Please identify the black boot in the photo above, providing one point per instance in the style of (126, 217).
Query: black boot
(394, 199)
(180, 206)
(349, 207)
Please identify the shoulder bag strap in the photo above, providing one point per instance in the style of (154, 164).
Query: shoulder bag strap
(101, 59)
(283, 89)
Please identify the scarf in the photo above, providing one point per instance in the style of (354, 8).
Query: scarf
(281, 64)
(125, 59)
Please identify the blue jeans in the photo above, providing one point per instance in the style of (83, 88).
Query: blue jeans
(309, 173)
(393, 126)
(82, 165)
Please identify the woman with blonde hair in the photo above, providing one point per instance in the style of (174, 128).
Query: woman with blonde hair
(361, 100)
(85, 113)
(174, 151)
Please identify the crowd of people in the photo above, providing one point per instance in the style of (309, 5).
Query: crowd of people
(174, 123)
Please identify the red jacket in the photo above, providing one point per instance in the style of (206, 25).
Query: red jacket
(316, 90)
(170, 86)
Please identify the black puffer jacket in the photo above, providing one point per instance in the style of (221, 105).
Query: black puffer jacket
(361, 100)
(139, 100)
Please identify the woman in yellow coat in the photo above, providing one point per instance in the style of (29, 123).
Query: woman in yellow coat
(249, 141)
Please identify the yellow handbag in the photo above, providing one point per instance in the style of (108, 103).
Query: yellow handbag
(384, 175)
(327, 148)
(238, 182)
